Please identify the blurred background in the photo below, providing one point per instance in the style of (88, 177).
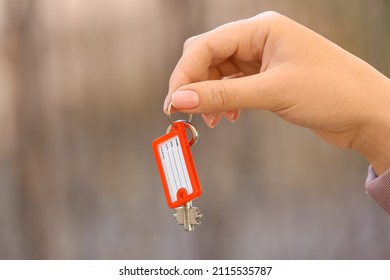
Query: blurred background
(82, 84)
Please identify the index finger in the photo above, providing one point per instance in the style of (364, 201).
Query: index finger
(241, 40)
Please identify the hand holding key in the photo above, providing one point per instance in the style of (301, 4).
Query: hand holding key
(273, 63)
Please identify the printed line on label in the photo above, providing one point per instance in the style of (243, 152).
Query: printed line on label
(175, 168)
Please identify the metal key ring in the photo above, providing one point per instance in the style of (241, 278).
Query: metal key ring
(169, 114)
(191, 127)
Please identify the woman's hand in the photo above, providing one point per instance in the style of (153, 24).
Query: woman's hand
(273, 63)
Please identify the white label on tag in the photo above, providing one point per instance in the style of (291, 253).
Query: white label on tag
(174, 165)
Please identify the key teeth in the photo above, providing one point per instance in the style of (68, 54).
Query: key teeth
(188, 216)
(199, 217)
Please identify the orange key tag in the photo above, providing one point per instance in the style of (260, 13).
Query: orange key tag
(175, 164)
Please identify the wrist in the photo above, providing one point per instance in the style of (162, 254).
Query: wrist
(374, 136)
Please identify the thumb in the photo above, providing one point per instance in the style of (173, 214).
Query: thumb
(223, 95)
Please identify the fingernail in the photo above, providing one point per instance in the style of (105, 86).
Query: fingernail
(238, 75)
(217, 119)
(232, 116)
(165, 108)
(211, 119)
(185, 99)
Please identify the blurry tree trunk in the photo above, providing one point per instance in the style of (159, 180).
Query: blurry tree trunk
(31, 135)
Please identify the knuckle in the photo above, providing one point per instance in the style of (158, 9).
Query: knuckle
(221, 96)
(189, 42)
(270, 16)
(271, 13)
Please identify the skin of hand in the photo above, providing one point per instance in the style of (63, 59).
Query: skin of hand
(273, 63)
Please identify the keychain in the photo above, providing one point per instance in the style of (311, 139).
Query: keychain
(177, 170)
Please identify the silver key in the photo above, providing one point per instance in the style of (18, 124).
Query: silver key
(188, 216)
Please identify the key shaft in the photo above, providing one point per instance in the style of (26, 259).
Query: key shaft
(188, 216)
